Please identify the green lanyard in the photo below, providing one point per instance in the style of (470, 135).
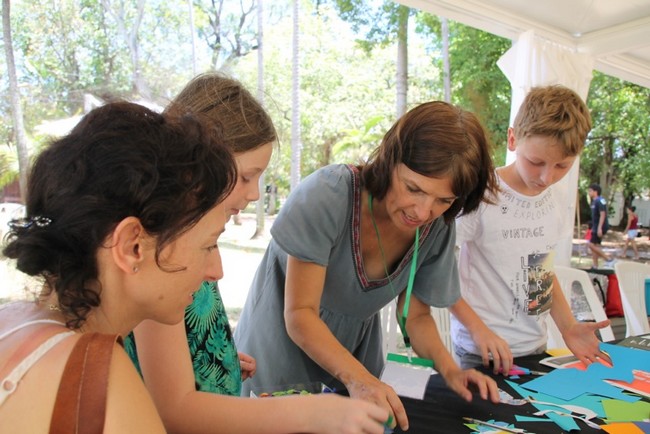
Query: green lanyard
(409, 286)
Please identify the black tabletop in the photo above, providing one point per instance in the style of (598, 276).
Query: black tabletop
(442, 411)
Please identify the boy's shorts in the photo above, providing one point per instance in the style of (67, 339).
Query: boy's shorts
(595, 239)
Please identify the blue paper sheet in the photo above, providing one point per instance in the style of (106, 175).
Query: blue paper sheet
(570, 383)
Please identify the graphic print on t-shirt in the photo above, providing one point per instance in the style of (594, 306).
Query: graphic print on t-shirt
(539, 277)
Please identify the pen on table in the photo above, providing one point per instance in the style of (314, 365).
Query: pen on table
(494, 425)
(538, 372)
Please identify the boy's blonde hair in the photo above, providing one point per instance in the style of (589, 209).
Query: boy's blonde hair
(554, 111)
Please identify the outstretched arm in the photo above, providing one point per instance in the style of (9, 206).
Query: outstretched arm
(426, 342)
(166, 365)
(303, 291)
(580, 337)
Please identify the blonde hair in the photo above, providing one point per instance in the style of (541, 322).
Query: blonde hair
(240, 119)
(554, 111)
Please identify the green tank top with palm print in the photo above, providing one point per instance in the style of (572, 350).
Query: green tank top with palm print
(212, 348)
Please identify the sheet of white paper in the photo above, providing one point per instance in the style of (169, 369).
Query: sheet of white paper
(407, 380)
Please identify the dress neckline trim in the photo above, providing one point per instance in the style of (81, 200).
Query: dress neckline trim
(356, 237)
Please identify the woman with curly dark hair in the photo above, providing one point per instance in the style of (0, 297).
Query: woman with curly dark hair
(122, 219)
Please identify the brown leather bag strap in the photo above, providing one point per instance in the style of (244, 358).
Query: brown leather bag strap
(80, 405)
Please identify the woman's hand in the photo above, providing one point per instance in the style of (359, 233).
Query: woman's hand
(373, 390)
(348, 416)
(248, 365)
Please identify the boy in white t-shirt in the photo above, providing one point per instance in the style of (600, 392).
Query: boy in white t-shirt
(506, 262)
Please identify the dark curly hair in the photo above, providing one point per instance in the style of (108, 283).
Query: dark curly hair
(121, 160)
(437, 139)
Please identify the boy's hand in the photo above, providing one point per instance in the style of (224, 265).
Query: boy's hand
(489, 343)
(583, 343)
(461, 381)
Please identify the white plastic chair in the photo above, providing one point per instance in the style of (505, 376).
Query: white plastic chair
(631, 283)
(392, 335)
(567, 276)
(389, 328)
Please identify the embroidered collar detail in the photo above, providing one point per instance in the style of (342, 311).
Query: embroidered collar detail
(355, 221)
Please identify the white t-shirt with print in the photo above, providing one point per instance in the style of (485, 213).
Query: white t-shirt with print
(506, 266)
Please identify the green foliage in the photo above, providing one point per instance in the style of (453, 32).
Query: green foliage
(617, 153)
(8, 166)
(69, 48)
(357, 144)
(477, 83)
(379, 22)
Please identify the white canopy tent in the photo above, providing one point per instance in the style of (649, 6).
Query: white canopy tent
(559, 42)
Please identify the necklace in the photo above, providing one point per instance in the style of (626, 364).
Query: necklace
(409, 286)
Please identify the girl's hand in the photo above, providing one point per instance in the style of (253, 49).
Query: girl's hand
(248, 365)
(337, 414)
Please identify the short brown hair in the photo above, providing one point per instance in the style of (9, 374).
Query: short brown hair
(241, 120)
(554, 111)
(436, 139)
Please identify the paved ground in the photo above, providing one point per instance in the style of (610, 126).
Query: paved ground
(240, 256)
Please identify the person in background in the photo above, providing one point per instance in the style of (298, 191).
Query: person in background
(192, 369)
(349, 240)
(599, 225)
(122, 219)
(632, 230)
(507, 247)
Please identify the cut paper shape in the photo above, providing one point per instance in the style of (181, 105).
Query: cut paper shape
(520, 418)
(617, 411)
(592, 402)
(506, 398)
(492, 426)
(640, 385)
(622, 428)
(564, 422)
(585, 420)
(569, 383)
(554, 352)
(570, 408)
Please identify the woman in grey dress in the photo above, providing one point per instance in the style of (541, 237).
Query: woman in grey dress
(344, 246)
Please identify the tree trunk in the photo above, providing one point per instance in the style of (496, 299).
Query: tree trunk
(402, 61)
(259, 209)
(16, 108)
(446, 75)
(131, 37)
(192, 36)
(295, 100)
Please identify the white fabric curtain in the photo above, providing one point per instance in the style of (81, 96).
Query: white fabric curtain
(534, 61)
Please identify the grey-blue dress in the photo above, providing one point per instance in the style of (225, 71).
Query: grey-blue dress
(320, 223)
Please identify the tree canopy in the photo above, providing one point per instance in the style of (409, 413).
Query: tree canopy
(116, 49)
